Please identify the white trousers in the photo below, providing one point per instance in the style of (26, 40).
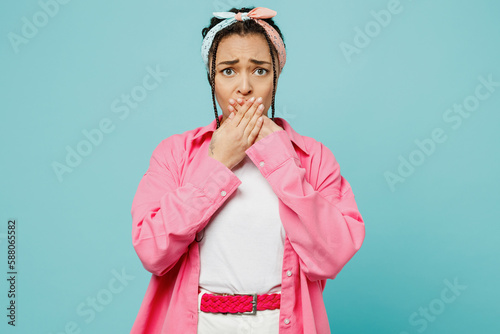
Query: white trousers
(263, 322)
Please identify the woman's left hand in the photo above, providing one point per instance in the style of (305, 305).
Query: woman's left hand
(268, 125)
(267, 128)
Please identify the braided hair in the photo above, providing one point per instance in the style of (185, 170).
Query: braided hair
(241, 28)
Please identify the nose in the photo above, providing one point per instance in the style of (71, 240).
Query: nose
(245, 84)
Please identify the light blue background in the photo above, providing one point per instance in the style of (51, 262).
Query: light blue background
(439, 224)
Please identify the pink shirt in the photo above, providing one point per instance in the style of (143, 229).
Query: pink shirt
(182, 189)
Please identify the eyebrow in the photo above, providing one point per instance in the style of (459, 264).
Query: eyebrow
(232, 62)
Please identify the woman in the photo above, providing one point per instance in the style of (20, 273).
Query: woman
(242, 221)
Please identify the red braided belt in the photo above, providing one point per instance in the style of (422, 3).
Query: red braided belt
(239, 303)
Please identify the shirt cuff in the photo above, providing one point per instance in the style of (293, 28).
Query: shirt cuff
(214, 179)
(272, 151)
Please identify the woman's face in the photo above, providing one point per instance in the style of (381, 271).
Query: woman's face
(244, 69)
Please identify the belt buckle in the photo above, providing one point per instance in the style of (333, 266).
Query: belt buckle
(254, 302)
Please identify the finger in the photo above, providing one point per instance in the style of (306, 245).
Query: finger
(255, 131)
(226, 122)
(232, 106)
(238, 104)
(232, 112)
(251, 124)
(249, 113)
(242, 111)
(230, 117)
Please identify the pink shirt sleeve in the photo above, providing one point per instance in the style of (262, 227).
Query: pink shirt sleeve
(320, 215)
(166, 214)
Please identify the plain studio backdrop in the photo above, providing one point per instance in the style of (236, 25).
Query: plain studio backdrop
(406, 94)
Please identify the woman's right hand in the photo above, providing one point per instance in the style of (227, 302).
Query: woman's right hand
(237, 133)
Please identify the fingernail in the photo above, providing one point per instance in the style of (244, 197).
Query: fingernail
(231, 101)
(259, 99)
(231, 108)
(240, 100)
(252, 99)
(261, 107)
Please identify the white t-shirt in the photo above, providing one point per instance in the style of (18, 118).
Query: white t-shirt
(242, 246)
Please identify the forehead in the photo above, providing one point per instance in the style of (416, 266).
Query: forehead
(247, 46)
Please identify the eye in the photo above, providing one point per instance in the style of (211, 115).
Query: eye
(224, 71)
(262, 71)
